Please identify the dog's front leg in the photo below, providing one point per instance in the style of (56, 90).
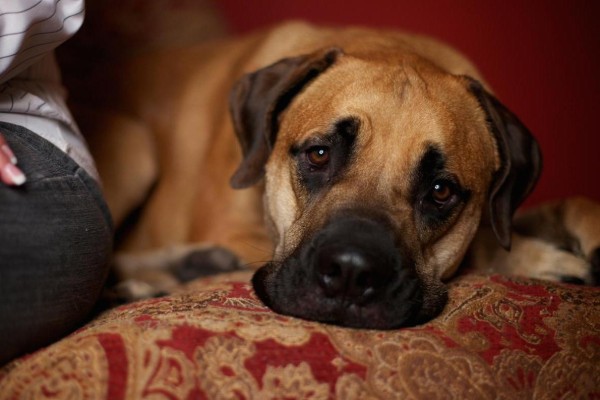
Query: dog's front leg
(158, 272)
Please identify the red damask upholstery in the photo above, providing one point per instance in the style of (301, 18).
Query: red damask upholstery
(498, 338)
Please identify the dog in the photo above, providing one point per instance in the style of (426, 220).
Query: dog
(369, 166)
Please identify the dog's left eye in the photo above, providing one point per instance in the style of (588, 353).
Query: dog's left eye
(318, 156)
(442, 192)
(441, 200)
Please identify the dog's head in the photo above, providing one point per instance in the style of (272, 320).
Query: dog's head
(378, 171)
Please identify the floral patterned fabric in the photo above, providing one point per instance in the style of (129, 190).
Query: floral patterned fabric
(498, 338)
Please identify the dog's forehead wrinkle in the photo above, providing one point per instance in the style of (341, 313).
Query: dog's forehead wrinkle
(413, 78)
(342, 127)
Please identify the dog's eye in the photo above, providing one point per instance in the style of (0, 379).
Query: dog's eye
(318, 156)
(442, 192)
(442, 198)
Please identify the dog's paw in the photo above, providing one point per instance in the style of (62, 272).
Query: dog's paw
(587, 274)
(572, 280)
(205, 262)
(592, 275)
(129, 291)
(565, 267)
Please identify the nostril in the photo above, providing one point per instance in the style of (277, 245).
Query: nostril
(331, 277)
(364, 279)
(330, 270)
(349, 273)
(362, 282)
(329, 274)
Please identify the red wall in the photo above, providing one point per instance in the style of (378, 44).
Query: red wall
(541, 57)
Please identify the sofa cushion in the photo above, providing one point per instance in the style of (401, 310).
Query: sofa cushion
(498, 338)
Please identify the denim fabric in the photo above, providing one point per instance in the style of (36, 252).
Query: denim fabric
(55, 243)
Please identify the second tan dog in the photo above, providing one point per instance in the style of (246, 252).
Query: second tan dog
(369, 161)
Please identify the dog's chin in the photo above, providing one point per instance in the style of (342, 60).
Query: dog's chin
(286, 291)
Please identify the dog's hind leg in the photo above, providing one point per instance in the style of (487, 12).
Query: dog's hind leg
(124, 152)
(572, 225)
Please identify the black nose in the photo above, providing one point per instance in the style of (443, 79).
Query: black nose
(351, 273)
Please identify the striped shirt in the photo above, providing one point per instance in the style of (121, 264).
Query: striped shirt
(31, 92)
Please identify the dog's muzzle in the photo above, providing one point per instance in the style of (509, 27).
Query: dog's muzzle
(350, 273)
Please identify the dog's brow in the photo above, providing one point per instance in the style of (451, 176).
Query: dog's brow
(342, 132)
(347, 127)
(431, 164)
(432, 161)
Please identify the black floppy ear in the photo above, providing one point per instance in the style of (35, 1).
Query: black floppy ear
(520, 158)
(258, 98)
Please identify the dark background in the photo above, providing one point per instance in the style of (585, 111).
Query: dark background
(542, 59)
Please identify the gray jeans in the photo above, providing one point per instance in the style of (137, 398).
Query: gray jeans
(55, 243)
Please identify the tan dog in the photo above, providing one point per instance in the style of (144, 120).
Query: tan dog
(383, 154)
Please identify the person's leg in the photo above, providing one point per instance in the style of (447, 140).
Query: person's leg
(55, 243)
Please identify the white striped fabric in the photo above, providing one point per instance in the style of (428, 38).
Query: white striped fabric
(31, 93)
(30, 29)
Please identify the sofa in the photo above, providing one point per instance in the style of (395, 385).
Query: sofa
(497, 338)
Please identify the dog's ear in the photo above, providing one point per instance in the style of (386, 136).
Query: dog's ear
(520, 158)
(258, 99)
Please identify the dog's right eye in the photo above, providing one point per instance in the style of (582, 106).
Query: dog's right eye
(321, 160)
(317, 166)
(318, 156)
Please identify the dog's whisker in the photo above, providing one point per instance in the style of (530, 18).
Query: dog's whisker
(261, 263)
(256, 247)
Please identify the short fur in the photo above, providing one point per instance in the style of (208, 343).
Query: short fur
(395, 115)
